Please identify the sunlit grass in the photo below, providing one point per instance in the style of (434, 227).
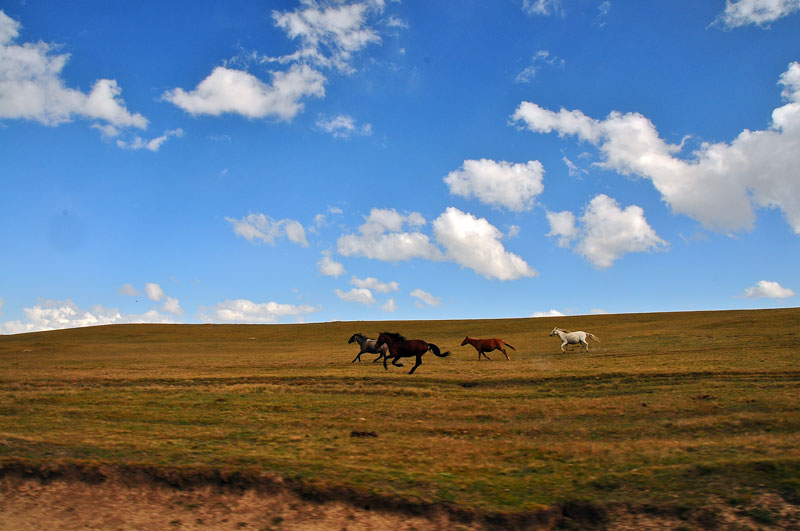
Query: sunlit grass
(692, 405)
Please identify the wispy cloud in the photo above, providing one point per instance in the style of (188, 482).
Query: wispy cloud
(261, 228)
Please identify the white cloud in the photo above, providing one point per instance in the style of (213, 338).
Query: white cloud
(374, 284)
(258, 227)
(426, 297)
(390, 306)
(766, 289)
(154, 291)
(172, 305)
(513, 231)
(500, 184)
(154, 144)
(245, 311)
(562, 224)
(234, 91)
(329, 267)
(542, 57)
(722, 183)
(381, 238)
(469, 241)
(54, 315)
(329, 33)
(758, 12)
(607, 232)
(475, 243)
(128, 290)
(551, 313)
(360, 295)
(31, 87)
(542, 7)
(343, 126)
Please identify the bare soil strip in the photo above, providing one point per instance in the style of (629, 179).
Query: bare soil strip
(109, 498)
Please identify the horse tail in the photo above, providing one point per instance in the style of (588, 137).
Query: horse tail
(593, 336)
(509, 345)
(433, 348)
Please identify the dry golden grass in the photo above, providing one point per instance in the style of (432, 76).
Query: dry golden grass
(672, 409)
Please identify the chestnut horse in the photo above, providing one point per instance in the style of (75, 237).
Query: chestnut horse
(400, 347)
(487, 345)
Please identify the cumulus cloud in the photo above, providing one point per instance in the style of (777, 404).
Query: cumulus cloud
(425, 297)
(227, 90)
(500, 184)
(475, 243)
(31, 87)
(330, 267)
(467, 240)
(172, 305)
(246, 311)
(758, 12)
(766, 289)
(389, 306)
(721, 183)
(330, 33)
(607, 231)
(261, 228)
(54, 315)
(562, 225)
(374, 284)
(343, 126)
(154, 291)
(360, 295)
(381, 237)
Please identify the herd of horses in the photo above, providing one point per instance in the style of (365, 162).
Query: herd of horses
(394, 346)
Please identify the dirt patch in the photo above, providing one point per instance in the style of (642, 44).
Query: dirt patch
(113, 505)
(122, 498)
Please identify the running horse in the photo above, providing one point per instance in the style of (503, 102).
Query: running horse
(573, 338)
(368, 345)
(487, 345)
(400, 347)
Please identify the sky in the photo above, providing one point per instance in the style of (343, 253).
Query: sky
(323, 160)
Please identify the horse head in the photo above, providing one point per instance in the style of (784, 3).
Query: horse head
(466, 340)
(388, 338)
(354, 337)
(554, 332)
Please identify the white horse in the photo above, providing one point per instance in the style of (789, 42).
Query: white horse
(573, 338)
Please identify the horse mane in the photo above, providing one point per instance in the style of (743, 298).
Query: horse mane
(395, 336)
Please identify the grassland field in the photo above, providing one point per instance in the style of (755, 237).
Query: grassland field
(670, 411)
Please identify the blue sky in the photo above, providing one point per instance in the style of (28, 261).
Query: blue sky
(317, 160)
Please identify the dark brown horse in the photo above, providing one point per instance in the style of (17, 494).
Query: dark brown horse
(487, 345)
(400, 347)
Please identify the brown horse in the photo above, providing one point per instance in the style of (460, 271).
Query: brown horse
(487, 345)
(400, 347)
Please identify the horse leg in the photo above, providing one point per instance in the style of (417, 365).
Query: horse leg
(395, 360)
(419, 362)
(481, 352)
(562, 347)
(358, 357)
(585, 344)
(504, 353)
(380, 355)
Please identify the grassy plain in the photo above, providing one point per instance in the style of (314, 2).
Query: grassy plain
(678, 409)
